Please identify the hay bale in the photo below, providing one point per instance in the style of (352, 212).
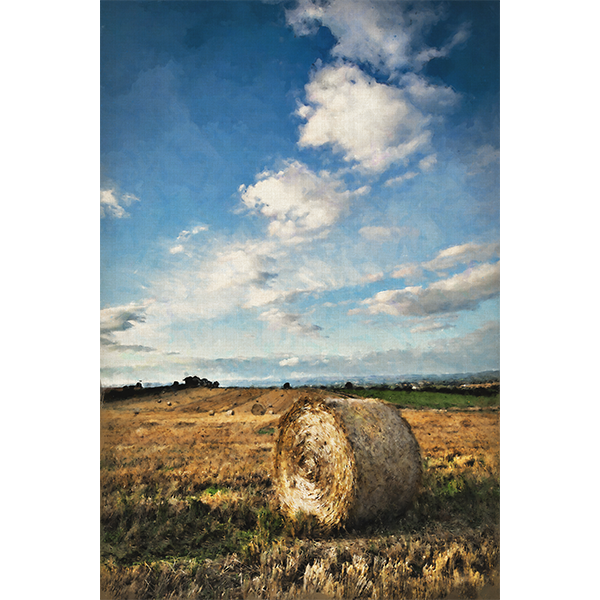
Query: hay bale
(231, 412)
(258, 409)
(345, 460)
(211, 412)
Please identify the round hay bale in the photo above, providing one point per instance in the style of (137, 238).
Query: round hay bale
(258, 409)
(211, 412)
(231, 412)
(345, 460)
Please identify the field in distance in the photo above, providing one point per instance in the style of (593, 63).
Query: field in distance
(187, 506)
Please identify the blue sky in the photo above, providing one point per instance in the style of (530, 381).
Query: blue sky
(295, 190)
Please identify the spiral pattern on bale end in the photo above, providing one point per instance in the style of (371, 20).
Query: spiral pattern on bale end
(345, 461)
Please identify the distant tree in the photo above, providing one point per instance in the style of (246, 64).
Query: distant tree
(349, 385)
(286, 386)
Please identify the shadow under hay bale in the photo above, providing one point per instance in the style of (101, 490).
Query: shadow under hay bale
(346, 461)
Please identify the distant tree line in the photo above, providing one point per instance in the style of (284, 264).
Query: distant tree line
(139, 391)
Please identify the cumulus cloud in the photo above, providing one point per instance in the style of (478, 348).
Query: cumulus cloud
(112, 203)
(464, 291)
(388, 35)
(277, 319)
(298, 201)
(370, 123)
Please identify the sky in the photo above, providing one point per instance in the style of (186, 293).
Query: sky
(296, 191)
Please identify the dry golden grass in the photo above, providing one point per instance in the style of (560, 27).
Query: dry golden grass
(187, 508)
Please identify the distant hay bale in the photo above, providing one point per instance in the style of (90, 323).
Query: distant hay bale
(258, 409)
(211, 412)
(271, 412)
(168, 404)
(345, 460)
(231, 412)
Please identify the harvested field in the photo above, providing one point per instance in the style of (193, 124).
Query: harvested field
(188, 508)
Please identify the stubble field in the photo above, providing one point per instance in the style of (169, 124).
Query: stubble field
(188, 510)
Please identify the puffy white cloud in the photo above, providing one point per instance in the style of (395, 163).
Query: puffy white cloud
(299, 202)
(388, 35)
(462, 254)
(278, 319)
(368, 122)
(464, 291)
(112, 204)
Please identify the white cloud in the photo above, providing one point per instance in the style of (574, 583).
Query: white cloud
(428, 96)
(373, 277)
(388, 35)
(117, 319)
(299, 202)
(289, 362)
(427, 163)
(368, 122)
(185, 236)
(462, 254)
(431, 326)
(112, 204)
(410, 271)
(401, 178)
(464, 291)
(277, 319)
(242, 264)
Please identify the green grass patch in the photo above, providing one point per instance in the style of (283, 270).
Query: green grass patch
(429, 399)
(266, 431)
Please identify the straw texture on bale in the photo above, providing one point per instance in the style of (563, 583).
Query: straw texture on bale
(345, 460)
